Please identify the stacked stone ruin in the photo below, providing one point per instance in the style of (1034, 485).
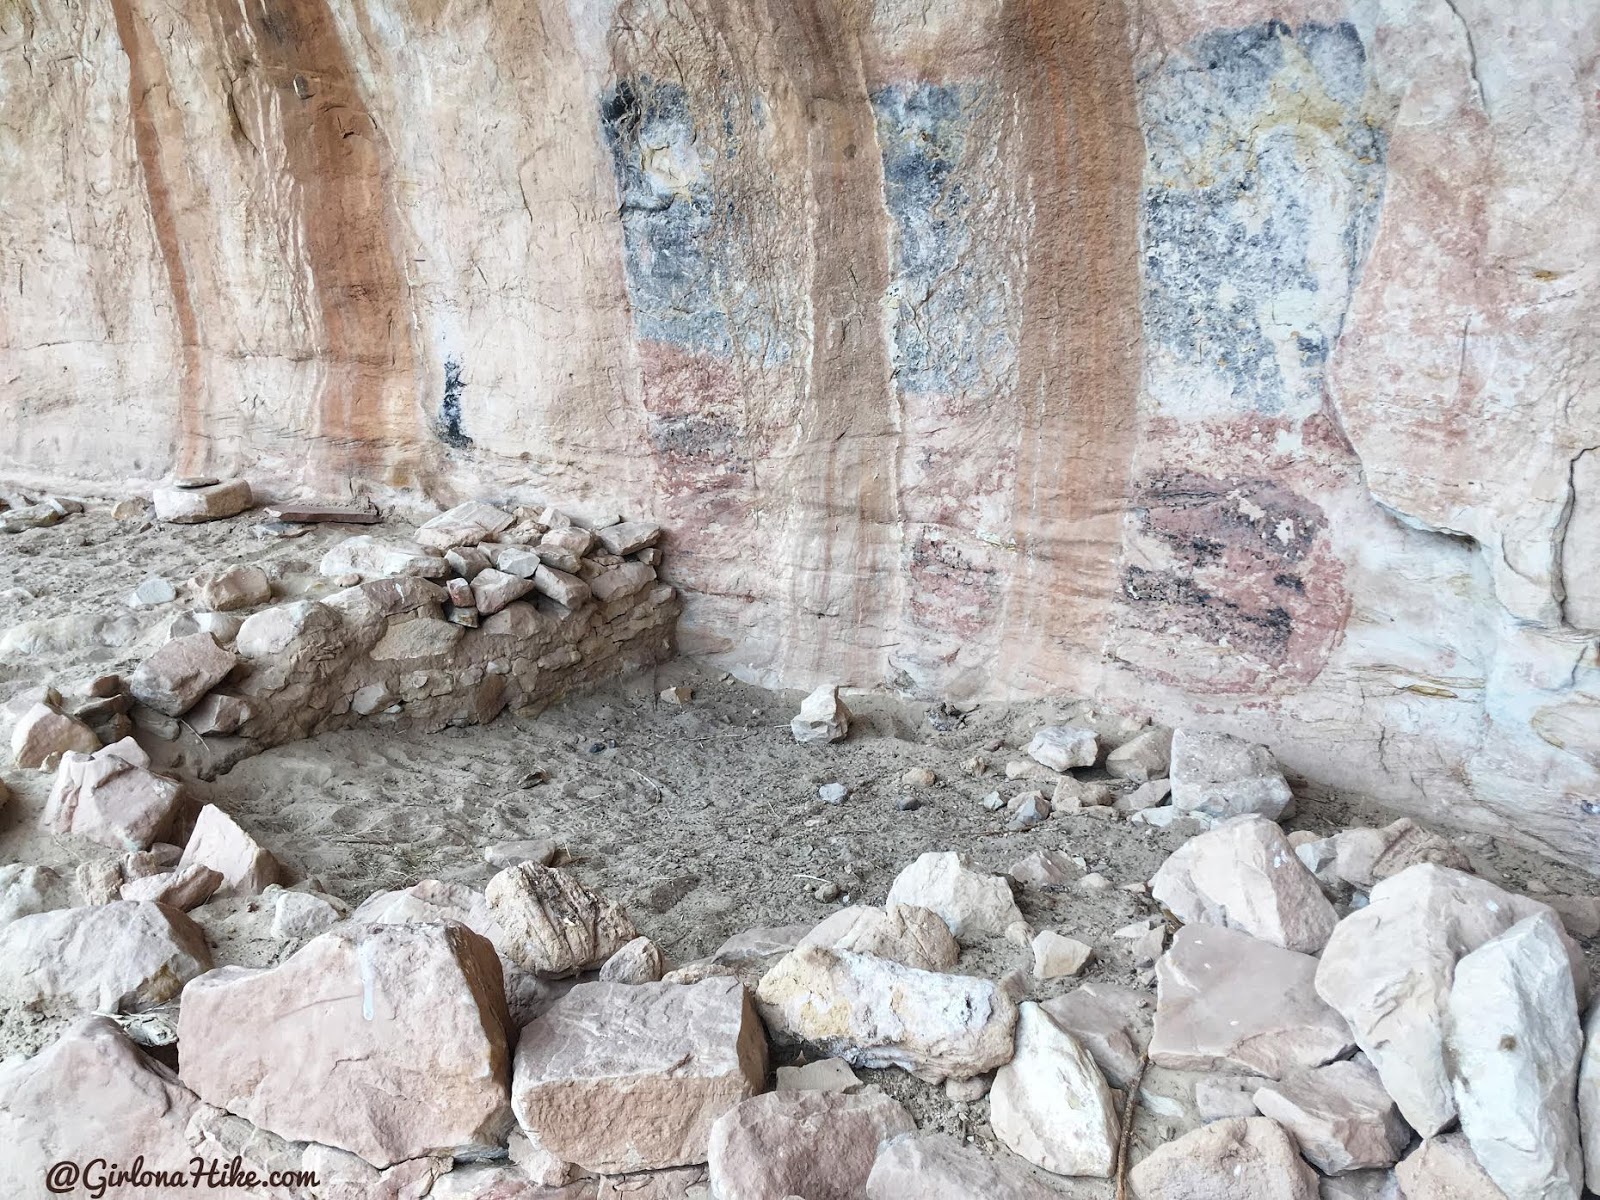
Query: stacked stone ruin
(485, 609)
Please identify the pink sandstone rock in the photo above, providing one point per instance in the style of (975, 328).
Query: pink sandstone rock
(618, 1077)
(820, 1145)
(42, 733)
(389, 1041)
(124, 956)
(113, 798)
(186, 888)
(173, 679)
(191, 506)
(1249, 1158)
(217, 842)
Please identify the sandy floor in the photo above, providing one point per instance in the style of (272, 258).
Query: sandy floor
(703, 820)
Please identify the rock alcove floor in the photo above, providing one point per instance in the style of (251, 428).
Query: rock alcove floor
(702, 818)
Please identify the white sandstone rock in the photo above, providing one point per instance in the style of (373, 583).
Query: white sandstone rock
(227, 589)
(1146, 757)
(811, 1144)
(1249, 1158)
(551, 924)
(1339, 1115)
(1063, 747)
(1513, 1042)
(824, 1075)
(1244, 875)
(1444, 1168)
(1050, 1104)
(43, 733)
(873, 1012)
(299, 916)
(934, 1166)
(972, 904)
(1361, 858)
(823, 717)
(186, 888)
(190, 506)
(1111, 1021)
(917, 937)
(1217, 1097)
(113, 798)
(1056, 956)
(464, 525)
(25, 890)
(1228, 1001)
(618, 1077)
(637, 962)
(1388, 969)
(1224, 776)
(373, 559)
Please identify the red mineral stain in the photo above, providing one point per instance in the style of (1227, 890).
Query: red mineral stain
(1070, 70)
(147, 83)
(298, 93)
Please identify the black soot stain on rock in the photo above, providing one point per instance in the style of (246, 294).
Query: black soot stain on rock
(449, 421)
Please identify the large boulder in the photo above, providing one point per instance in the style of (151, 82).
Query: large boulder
(917, 937)
(389, 1041)
(1111, 1022)
(820, 1145)
(464, 525)
(89, 1096)
(173, 679)
(1388, 969)
(125, 956)
(1513, 1040)
(974, 905)
(1225, 776)
(618, 1077)
(1228, 1001)
(1339, 1115)
(1050, 1104)
(43, 732)
(209, 502)
(112, 797)
(1244, 875)
(247, 868)
(551, 924)
(1245, 1158)
(873, 1012)
(935, 1166)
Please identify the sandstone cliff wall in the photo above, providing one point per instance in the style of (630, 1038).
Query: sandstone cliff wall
(1229, 358)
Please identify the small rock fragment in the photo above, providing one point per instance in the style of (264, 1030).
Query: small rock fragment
(1050, 1104)
(300, 916)
(173, 679)
(637, 962)
(492, 590)
(1217, 1097)
(25, 890)
(823, 717)
(1063, 747)
(1075, 793)
(833, 793)
(1033, 810)
(1047, 868)
(824, 1075)
(152, 593)
(185, 888)
(1225, 776)
(919, 777)
(678, 696)
(218, 713)
(232, 588)
(43, 734)
(464, 525)
(1112, 1022)
(972, 904)
(904, 933)
(1056, 956)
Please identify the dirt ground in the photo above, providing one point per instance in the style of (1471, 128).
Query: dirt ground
(703, 819)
